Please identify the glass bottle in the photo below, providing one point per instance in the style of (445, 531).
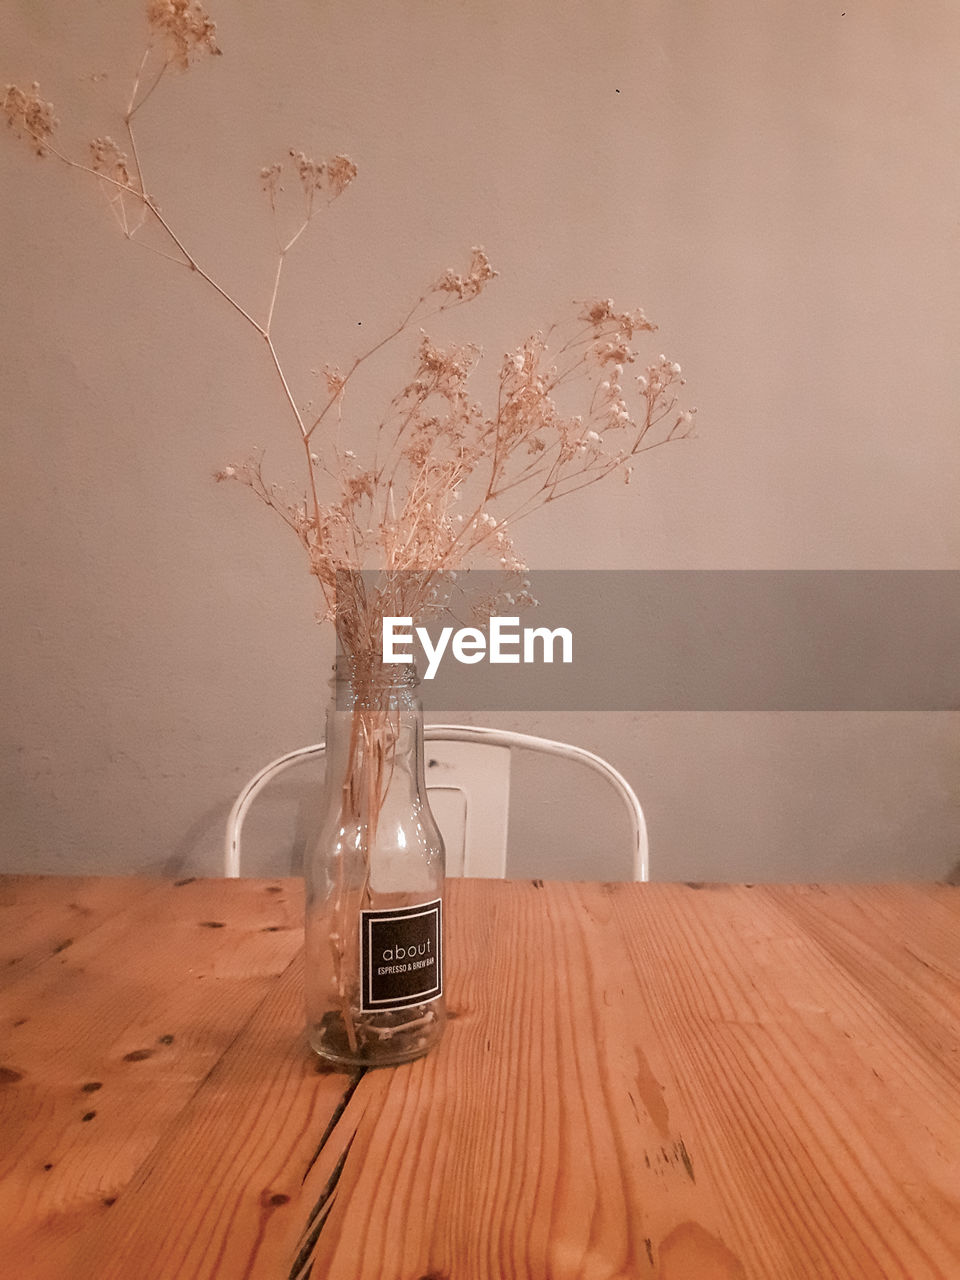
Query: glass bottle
(374, 880)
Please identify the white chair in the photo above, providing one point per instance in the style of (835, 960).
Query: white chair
(467, 771)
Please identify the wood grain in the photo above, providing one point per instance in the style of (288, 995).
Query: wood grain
(657, 1081)
(105, 1043)
(41, 916)
(669, 1082)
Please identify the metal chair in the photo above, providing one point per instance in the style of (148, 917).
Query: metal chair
(467, 772)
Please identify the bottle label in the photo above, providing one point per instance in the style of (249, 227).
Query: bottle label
(401, 961)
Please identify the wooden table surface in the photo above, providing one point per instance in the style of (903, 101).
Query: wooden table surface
(670, 1081)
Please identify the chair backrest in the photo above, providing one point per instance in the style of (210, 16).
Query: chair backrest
(467, 770)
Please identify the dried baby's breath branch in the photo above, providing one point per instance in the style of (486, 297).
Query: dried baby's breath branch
(186, 33)
(447, 479)
(39, 130)
(331, 176)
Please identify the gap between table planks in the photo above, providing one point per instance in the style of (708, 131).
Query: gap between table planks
(673, 1081)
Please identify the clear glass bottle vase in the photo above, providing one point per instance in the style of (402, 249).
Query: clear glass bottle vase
(374, 879)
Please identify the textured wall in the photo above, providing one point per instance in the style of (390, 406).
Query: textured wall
(776, 183)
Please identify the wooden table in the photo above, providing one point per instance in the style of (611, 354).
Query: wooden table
(665, 1081)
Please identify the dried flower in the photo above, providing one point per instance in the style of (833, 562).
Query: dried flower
(28, 115)
(601, 313)
(185, 28)
(106, 158)
(471, 284)
(341, 171)
(270, 179)
(445, 479)
(335, 381)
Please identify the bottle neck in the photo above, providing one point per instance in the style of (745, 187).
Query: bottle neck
(374, 733)
(366, 682)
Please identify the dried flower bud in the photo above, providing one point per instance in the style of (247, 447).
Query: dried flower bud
(107, 159)
(185, 28)
(470, 285)
(270, 179)
(335, 380)
(27, 114)
(341, 171)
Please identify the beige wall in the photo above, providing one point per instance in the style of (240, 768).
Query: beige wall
(776, 183)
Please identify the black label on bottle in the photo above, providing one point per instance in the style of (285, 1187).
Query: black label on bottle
(400, 956)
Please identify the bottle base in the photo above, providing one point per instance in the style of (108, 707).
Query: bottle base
(382, 1039)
